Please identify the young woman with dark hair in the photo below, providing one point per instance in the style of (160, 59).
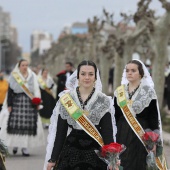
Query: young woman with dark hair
(136, 109)
(21, 126)
(75, 150)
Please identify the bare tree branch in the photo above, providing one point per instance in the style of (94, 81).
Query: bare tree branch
(126, 18)
(165, 4)
(143, 11)
(108, 17)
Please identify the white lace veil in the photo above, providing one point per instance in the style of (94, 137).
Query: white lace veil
(72, 81)
(16, 69)
(146, 80)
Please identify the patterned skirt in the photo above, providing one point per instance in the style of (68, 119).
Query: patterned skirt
(78, 153)
(23, 117)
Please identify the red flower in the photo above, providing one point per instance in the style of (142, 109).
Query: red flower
(36, 101)
(150, 136)
(111, 148)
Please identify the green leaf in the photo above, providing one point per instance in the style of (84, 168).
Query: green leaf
(159, 150)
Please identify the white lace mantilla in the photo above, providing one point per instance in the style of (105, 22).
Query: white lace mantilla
(142, 98)
(98, 105)
(17, 88)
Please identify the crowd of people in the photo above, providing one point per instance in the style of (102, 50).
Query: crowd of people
(80, 117)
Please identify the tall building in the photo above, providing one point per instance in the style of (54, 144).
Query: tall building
(9, 48)
(79, 28)
(13, 34)
(40, 41)
(5, 21)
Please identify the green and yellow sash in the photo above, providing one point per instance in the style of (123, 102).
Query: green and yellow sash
(134, 124)
(43, 84)
(21, 83)
(77, 114)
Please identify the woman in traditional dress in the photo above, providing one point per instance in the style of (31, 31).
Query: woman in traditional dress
(75, 151)
(21, 125)
(136, 98)
(48, 92)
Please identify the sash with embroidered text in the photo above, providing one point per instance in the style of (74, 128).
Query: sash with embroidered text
(77, 114)
(43, 84)
(134, 124)
(21, 83)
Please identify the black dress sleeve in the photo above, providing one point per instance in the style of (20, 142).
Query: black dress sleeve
(153, 115)
(61, 134)
(10, 97)
(118, 112)
(106, 128)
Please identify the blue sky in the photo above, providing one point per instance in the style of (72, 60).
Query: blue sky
(53, 15)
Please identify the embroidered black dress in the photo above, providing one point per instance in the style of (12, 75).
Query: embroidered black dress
(21, 127)
(134, 157)
(76, 151)
(23, 117)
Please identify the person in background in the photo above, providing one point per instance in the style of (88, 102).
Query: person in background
(110, 80)
(3, 89)
(167, 88)
(3, 92)
(48, 95)
(20, 122)
(62, 78)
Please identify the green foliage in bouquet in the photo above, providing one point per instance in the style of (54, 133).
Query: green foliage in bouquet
(120, 168)
(159, 150)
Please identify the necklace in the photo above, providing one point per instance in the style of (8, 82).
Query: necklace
(132, 93)
(88, 98)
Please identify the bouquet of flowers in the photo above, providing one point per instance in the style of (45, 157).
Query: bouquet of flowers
(154, 146)
(110, 155)
(36, 101)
